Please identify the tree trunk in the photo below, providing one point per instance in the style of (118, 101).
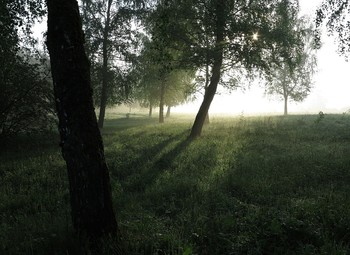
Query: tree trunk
(161, 103)
(285, 106)
(207, 77)
(207, 121)
(216, 72)
(150, 110)
(168, 111)
(104, 89)
(82, 148)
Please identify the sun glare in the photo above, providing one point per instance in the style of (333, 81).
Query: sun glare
(255, 36)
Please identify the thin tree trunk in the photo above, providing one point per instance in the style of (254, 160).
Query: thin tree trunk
(150, 110)
(104, 89)
(161, 103)
(82, 148)
(207, 79)
(285, 105)
(216, 72)
(168, 111)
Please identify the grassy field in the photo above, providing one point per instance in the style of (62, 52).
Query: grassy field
(249, 185)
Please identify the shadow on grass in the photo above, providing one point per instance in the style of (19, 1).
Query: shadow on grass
(149, 162)
(120, 124)
(164, 162)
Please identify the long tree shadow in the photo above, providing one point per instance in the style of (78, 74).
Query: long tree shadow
(144, 166)
(164, 162)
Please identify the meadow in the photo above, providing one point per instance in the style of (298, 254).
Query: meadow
(248, 185)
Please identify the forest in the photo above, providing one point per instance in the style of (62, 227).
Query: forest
(80, 174)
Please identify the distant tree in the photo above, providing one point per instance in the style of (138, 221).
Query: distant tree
(291, 77)
(110, 43)
(81, 142)
(169, 86)
(335, 15)
(180, 87)
(160, 50)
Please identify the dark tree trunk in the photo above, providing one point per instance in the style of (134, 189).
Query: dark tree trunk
(285, 105)
(207, 121)
(216, 72)
(150, 110)
(168, 111)
(82, 148)
(161, 103)
(104, 89)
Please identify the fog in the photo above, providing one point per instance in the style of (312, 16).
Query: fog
(329, 94)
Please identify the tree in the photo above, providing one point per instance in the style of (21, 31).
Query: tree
(26, 103)
(334, 14)
(109, 39)
(82, 148)
(291, 77)
(161, 86)
(180, 87)
(161, 51)
(240, 34)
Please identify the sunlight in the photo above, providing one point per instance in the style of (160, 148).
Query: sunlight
(329, 94)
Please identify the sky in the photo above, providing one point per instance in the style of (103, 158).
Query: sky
(330, 93)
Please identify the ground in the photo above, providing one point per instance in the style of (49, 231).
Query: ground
(249, 185)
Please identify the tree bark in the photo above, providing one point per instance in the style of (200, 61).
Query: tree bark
(81, 142)
(207, 120)
(150, 110)
(161, 103)
(168, 111)
(216, 71)
(104, 88)
(285, 105)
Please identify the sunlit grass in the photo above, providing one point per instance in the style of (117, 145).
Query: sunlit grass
(249, 185)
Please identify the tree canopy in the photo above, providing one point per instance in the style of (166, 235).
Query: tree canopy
(292, 75)
(26, 103)
(335, 15)
(238, 34)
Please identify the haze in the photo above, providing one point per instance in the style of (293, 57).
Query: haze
(330, 92)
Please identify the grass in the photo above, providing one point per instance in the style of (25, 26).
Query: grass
(249, 185)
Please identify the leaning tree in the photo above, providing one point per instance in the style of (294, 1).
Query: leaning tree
(238, 34)
(89, 182)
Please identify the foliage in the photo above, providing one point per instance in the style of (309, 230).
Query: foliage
(112, 40)
(238, 35)
(252, 185)
(292, 75)
(192, 24)
(179, 87)
(23, 13)
(158, 73)
(26, 103)
(335, 15)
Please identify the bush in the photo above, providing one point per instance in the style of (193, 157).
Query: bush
(26, 99)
